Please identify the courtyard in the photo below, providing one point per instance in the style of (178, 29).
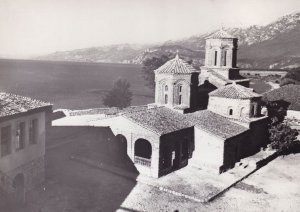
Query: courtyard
(75, 186)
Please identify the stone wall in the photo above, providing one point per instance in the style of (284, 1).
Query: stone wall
(209, 150)
(293, 114)
(221, 46)
(30, 152)
(175, 150)
(241, 108)
(173, 82)
(33, 172)
(132, 132)
(28, 161)
(237, 106)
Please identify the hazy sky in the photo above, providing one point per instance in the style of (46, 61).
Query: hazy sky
(33, 27)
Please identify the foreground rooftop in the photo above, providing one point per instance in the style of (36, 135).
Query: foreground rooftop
(11, 104)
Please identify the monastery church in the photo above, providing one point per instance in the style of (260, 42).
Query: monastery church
(208, 118)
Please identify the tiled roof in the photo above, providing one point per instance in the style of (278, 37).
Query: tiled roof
(163, 120)
(176, 66)
(107, 110)
(160, 120)
(216, 124)
(11, 104)
(234, 91)
(220, 34)
(288, 93)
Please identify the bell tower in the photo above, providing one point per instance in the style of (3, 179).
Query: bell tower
(221, 51)
(220, 66)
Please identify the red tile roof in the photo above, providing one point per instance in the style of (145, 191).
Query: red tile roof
(216, 124)
(221, 34)
(234, 91)
(160, 120)
(163, 120)
(176, 66)
(11, 104)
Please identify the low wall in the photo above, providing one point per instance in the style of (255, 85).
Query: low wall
(293, 114)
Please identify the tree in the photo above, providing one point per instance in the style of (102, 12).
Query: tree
(276, 110)
(287, 81)
(283, 137)
(149, 65)
(119, 96)
(292, 77)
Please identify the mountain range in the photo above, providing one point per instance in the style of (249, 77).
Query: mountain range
(273, 46)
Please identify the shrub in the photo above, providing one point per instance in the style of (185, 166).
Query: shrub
(287, 81)
(283, 137)
(119, 96)
(149, 65)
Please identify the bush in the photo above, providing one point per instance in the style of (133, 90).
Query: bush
(287, 81)
(149, 65)
(283, 137)
(119, 96)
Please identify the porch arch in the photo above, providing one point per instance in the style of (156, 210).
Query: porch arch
(143, 148)
(142, 152)
(121, 144)
(18, 185)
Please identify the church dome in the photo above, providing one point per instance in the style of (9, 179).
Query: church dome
(175, 66)
(234, 91)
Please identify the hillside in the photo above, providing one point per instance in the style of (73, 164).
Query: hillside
(275, 45)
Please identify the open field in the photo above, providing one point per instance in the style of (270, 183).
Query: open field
(76, 85)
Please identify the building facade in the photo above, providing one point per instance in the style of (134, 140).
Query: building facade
(23, 131)
(176, 131)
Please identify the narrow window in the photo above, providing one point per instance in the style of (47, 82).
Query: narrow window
(225, 57)
(20, 134)
(180, 88)
(166, 88)
(180, 99)
(5, 140)
(230, 112)
(33, 131)
(166, 98)
(252, 110)
(216, 57)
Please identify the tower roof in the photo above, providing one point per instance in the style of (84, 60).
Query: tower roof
(234, 91)
(221, 34)
(175, 66)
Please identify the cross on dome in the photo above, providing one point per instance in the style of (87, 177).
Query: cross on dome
(177, 56)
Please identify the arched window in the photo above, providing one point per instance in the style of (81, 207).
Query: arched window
(180, 94)
(165, 89)
(242, 112)
(253, 110)
(225, 57)
(166, 98)
(216, 57)
(230, 112)
(142, 152)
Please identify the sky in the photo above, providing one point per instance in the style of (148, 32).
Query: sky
(30, 28)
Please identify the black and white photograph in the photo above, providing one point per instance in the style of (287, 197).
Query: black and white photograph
(149, 105)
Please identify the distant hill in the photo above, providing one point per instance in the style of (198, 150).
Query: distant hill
(276, 45)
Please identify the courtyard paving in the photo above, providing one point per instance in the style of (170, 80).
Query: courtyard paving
(77, 187)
